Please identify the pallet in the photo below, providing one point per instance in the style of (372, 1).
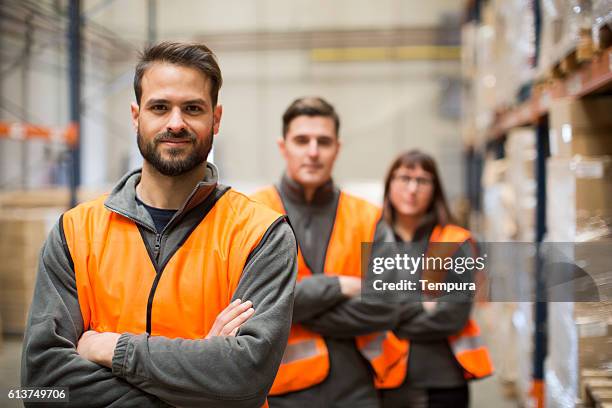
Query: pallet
(584, 52)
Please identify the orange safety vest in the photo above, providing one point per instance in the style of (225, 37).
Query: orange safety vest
(467, 345)
(119, 290)
(305, 362)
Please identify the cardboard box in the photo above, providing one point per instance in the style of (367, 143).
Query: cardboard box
(594, 329)
(579, 198)
(579, 349)
(580, 127)
(593, 192)
(22, 233)
(44, 198)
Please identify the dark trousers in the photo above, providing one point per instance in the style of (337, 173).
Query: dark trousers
(457, 397)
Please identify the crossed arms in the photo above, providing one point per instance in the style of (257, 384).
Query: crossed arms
(233, 367)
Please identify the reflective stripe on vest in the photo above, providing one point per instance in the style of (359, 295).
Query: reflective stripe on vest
(466, 343)
(342, 258)
(300, 351)
(374, 348)
(471, 353)
(467, 346)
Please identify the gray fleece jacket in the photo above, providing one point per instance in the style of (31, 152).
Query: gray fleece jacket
(228, 372)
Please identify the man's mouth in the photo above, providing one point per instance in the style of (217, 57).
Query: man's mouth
(175, 142)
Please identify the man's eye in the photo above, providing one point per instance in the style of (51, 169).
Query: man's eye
(158, 108)
(301, 140)
(193, 109)
(325, 142)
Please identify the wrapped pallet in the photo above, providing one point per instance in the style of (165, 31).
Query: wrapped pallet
(521, 155)
(579, 173)
(515, 48)
(566, 28)
(506, 183)
(484, 80)
(580, 341)
(580, 168)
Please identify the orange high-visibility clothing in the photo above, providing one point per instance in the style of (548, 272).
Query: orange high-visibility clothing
(119, 289)
(305, 362)
(466, 345)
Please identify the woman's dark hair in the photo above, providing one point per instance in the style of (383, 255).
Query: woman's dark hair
(438, 210)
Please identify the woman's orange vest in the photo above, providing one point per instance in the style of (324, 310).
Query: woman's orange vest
(305, 362)
(467, 345)
(118, 287)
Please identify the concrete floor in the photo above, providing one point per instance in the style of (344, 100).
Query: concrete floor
(10, 361)
(485, 393)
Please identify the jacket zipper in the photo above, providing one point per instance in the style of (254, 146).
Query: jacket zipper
(156, 252)
(158, 238)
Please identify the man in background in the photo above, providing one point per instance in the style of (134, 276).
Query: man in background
(332, 352)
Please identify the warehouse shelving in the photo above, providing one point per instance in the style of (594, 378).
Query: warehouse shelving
(593, 77)
(493, 117)
(28, 131)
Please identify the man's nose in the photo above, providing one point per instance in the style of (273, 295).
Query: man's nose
(313, 148)
(176, 123)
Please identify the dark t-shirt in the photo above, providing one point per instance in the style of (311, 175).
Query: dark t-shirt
(161, 217)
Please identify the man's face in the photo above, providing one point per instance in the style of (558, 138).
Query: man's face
(310, 148)
(175, 121)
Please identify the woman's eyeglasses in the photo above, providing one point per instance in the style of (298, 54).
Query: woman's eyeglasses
(421, 182)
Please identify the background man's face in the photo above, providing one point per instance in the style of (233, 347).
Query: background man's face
(175, 120)
(310, 148)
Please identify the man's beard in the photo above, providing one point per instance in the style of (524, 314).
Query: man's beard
(175, 166)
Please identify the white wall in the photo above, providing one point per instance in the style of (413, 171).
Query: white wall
(385, 106)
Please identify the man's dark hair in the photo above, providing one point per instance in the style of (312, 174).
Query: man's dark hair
(310, 106)
(192, 55)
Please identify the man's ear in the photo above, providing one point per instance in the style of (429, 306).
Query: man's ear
(135, 110)
(339, 142)
(217, 113)
(281, 142)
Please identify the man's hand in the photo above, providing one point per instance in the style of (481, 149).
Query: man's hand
(350, 286)
(231, 318)
(98, 347)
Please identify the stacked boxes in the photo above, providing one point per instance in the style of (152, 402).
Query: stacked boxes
(579, 197)
(581, 159)
(521, 155)
(22, 233)
(509, 206)
(566, 27)
(26, 217)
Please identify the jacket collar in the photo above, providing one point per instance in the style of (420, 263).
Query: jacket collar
(122, 199)
(423, 231)
(295, 192)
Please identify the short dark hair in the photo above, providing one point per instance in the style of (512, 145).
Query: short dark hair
(310, 106)
(193, 55)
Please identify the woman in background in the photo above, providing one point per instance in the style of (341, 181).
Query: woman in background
(444, 350)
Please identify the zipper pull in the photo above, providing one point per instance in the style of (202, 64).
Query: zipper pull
(158, 238)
